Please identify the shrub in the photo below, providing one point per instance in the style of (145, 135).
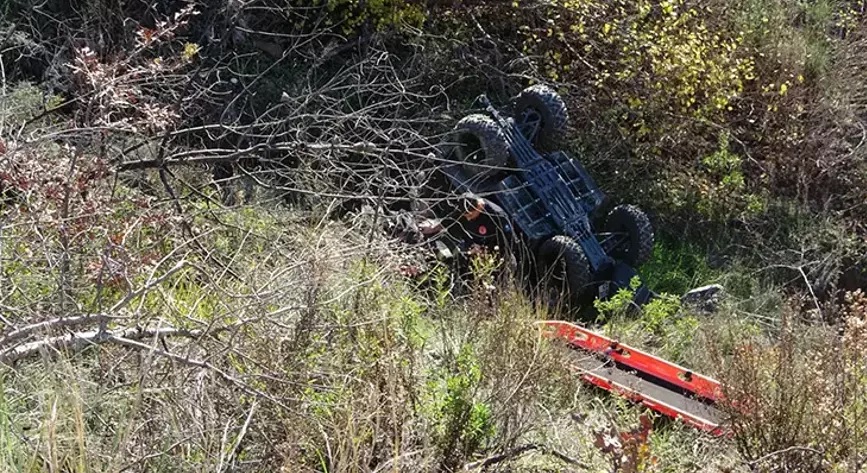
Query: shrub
(798, 402)
(463, 425)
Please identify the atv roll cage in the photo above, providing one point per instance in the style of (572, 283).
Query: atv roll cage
(549, 196)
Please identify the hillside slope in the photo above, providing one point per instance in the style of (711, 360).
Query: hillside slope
(195, 277)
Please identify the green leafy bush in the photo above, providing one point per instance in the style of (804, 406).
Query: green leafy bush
(662, 324)
(677, 265)
(463, 424)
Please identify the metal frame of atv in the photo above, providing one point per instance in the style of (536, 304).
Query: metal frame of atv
(664, 387)
(535, 196)
(547, 196)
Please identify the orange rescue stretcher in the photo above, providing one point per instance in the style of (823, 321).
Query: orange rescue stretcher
(664, 387)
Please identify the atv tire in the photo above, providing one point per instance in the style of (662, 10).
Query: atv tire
(632, 221)
(565, 262)
(480, 145)
(551, 110)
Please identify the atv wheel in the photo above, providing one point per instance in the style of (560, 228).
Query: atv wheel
(632, 221)
(480, 145)
(542, 104)
(566, 265)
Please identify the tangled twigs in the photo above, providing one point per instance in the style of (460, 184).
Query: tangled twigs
(519, 451)
(786, 451)
(128, 337)
(131, 343)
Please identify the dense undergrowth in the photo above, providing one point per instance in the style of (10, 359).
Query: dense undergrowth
(190, 281)
(322, 358)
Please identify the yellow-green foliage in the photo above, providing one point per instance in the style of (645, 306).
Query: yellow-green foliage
(348, 16)
(656, 57)
(668, 78)
(22, 102)
(672, 57)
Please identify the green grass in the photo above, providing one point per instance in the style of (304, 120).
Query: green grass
(677, 266)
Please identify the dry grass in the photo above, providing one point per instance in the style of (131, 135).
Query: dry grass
(798, 399)
(329, 361)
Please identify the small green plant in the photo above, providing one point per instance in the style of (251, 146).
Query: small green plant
(463, 424)
(661, 323)
(659, 313)
(724, 194)
(618, 304)
(441, 279)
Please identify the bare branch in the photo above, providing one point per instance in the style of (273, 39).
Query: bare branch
(77, 341)
(51, 324)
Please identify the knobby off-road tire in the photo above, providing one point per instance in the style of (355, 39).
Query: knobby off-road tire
(552, 112)
(564, 261)
(633, 221)
(481, 145)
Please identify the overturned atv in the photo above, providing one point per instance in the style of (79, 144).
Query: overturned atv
(549, 198)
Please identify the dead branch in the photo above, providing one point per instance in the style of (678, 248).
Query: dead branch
(793, 448)
(218, 156)
(228, 458)
(57, 323)
(77, 341)
(129, 337)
